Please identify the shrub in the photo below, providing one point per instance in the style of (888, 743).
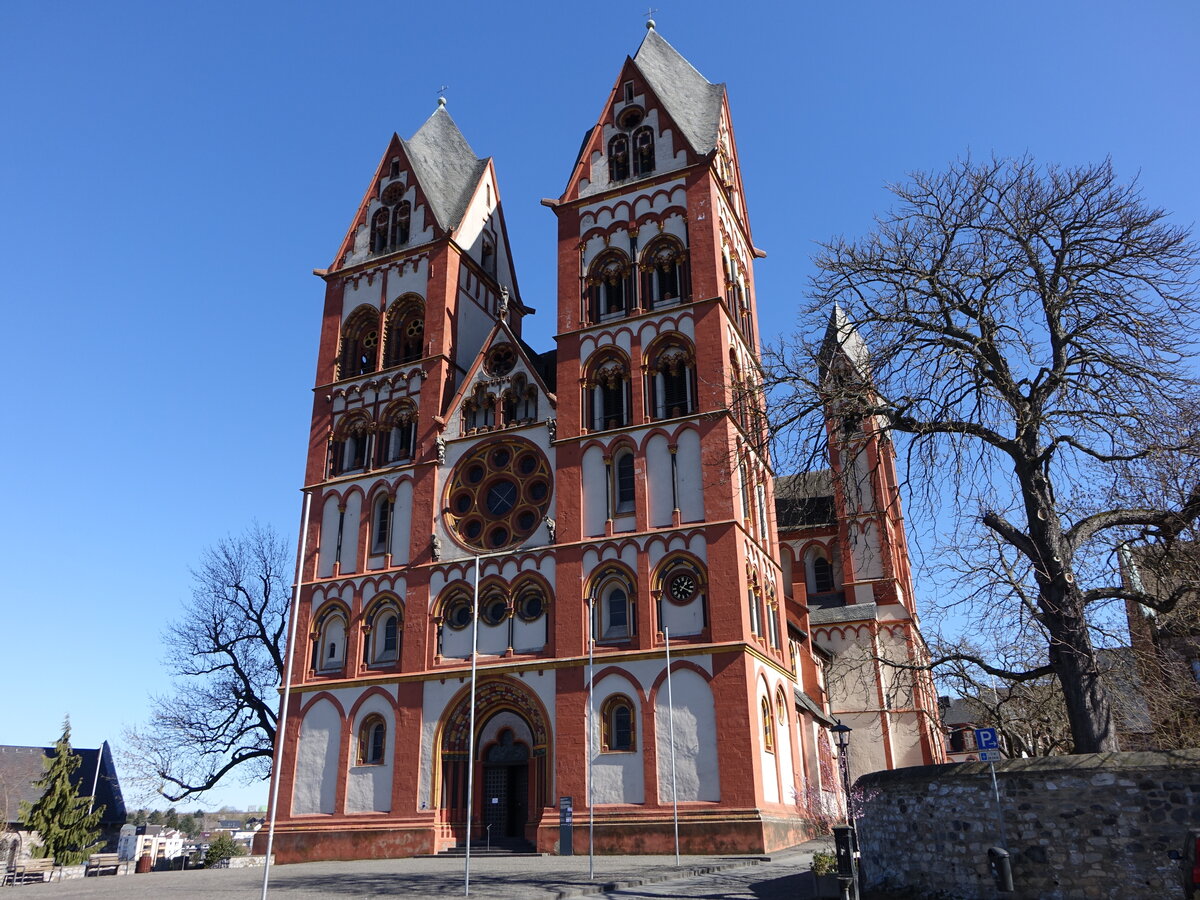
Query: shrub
(824, 864)
(222, 847)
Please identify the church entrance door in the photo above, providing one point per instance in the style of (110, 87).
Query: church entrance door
(506, 788)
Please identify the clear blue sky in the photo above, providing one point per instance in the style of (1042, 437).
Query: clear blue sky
(170, 174)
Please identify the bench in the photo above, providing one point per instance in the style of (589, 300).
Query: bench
(97, 862)
(24, 871)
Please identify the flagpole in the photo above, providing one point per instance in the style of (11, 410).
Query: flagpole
(591, 726)
(671, 720)
(281, 724)
(471, 734)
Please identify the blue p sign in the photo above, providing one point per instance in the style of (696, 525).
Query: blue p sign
(986, 739)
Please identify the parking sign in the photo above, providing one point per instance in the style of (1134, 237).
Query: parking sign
(986, 739)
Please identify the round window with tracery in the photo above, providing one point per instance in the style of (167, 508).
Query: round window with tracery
(498, 494)
(500, 360)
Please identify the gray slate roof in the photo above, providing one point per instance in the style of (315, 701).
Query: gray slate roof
(851, 612)
(20, 767)
(804, 499)
(692, 102)
(446, 167)
(806, 702)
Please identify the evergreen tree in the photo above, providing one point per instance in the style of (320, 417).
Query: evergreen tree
(155, 817)
(68, 831)
(171, 818)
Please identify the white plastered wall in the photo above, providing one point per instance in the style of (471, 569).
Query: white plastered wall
(328, 537)
(658, 481)
(401, 537)
(618, 777)
(690, 476)
(349, 556)
(697, 774)
(315, 787)
(369, 788)
(595, 487)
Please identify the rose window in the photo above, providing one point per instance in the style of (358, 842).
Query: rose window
(498, 495)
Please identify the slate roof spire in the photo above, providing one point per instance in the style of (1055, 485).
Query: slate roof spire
(692, 102)
(842, 337)
(445, 165)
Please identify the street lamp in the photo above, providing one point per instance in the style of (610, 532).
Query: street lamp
(845, 838)
(841, 734)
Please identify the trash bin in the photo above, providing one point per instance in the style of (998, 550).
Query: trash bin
(144, 864)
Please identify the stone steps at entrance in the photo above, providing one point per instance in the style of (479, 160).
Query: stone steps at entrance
(507, 847)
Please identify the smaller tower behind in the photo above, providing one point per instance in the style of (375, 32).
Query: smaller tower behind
(843, 537)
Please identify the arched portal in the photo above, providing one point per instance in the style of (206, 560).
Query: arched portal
(512, 760)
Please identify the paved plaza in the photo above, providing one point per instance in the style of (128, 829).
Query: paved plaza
(774, 877)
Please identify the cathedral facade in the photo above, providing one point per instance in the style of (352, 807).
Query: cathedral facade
(469, 496)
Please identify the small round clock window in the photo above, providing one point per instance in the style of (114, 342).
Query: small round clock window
(498, 494)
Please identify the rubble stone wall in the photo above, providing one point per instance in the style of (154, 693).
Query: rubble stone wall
(1081, 827)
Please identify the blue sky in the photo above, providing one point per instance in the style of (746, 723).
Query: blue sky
(170, 174)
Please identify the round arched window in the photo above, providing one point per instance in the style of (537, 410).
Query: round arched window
(498, 494)
(458, 613)
(494, 610)
(500, 360)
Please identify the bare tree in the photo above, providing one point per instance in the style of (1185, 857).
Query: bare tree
(227, 654)
(1030, 336)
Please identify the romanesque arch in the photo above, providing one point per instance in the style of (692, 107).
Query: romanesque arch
(520, 781)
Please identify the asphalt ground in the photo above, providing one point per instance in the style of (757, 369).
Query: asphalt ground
(773, 877)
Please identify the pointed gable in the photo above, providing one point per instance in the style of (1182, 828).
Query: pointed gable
(691, 101)
(503, 362)
(445, 166)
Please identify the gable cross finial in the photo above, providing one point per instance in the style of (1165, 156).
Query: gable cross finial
(441, 92)
(650, 11)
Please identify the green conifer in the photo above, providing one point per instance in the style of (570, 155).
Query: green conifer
(68, 831)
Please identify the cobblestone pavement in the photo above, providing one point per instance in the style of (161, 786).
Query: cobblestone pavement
(494, 878)
(785, 877)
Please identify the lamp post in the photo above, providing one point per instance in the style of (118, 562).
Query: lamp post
(845, 837)
(841, 734)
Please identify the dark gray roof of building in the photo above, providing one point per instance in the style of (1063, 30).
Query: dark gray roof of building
(804, 499)
(805, 484)
(20, 767)
(806, 702)
(968, 710)
(851, 612)
(446, 167)
(691, 101)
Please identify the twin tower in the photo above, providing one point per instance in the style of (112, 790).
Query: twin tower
(611, 494)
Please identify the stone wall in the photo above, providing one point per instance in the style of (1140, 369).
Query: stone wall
(1081, 827)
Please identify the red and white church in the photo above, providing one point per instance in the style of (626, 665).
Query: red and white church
(614, 490)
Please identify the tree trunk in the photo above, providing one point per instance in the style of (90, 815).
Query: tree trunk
(1074, 660)
(1071, 653)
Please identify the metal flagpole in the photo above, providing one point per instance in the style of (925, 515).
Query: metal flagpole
(671, 719)
(591, 725)
(281, 725)
(471, 736)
